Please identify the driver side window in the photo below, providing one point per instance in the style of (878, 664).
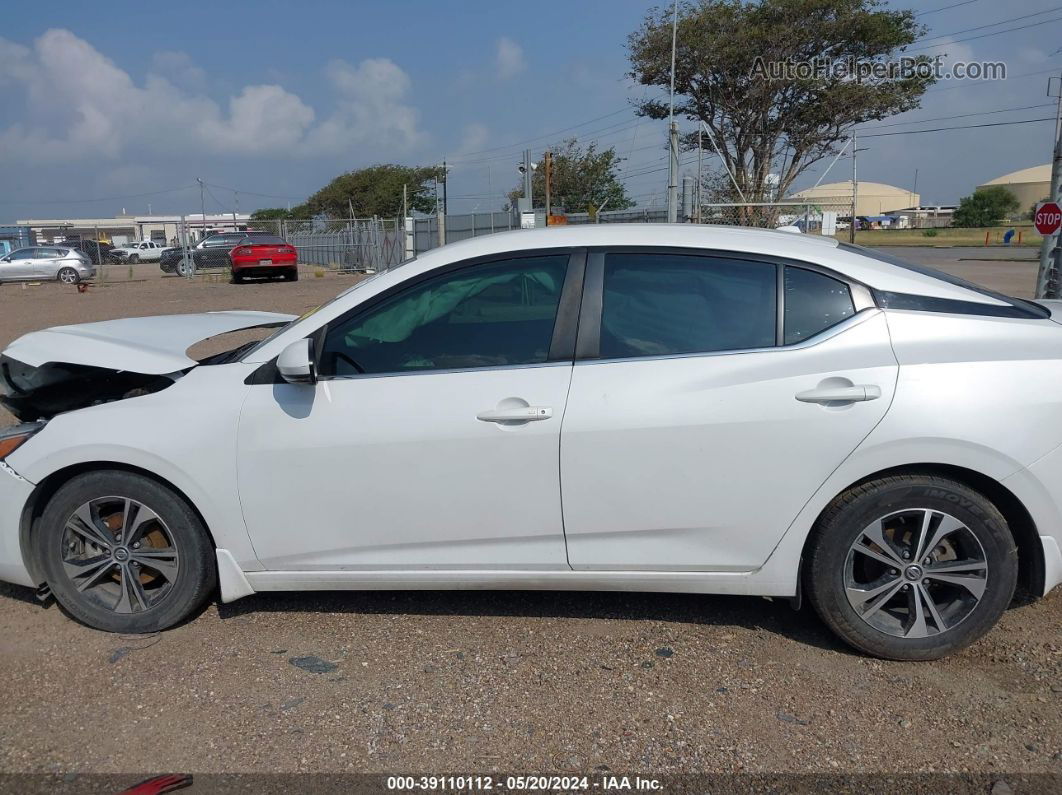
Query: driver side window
(494, 314)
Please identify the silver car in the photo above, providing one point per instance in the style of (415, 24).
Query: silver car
(40, 263)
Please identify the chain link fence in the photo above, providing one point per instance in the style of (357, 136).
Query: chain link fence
(342, 244)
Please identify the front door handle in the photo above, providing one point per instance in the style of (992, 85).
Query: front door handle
(840, 394)
(516, 414)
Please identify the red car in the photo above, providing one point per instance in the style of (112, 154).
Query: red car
(264, 255)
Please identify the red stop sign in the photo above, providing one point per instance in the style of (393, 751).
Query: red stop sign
(1048, 218)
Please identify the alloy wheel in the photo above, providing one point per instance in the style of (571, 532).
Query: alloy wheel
(915, 573)
(119, 554)
(68, 276)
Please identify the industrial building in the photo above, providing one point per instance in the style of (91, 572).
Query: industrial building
(1029, 185)
(122, 229)
(872, 198)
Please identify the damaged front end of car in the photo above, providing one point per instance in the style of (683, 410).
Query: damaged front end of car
(36, 393)
(67, 368)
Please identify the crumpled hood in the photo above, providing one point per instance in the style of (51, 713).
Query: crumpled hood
(149, 345)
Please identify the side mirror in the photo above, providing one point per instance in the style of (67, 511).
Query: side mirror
(296, 363)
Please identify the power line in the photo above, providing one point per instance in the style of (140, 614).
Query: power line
(986, 35)
(251, 192)
(944, 8)
(960, 116)
(519, 144)
(990, 25)
(975, 83)
(959, 127)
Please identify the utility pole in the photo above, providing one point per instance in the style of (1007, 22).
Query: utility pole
(700, 176)
(202, 207)
(672, 166)
(527, 179)
(446, 206)
(440, 216)
(547, 164)
(235, 210)
(1048, 276)
(855, 190)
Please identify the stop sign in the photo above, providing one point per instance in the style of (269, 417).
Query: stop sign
(1048, 218)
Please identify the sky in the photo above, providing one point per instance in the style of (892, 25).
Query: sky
(120, 105)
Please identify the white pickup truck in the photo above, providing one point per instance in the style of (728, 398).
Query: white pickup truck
(139, 251)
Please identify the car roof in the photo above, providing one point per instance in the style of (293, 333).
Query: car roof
(810, 248)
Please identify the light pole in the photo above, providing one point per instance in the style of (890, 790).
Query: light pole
(672, 166)
(202, 208)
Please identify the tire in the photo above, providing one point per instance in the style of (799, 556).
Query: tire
(68, 276)
(291, 275)
(236, 278)
(888, 601)
(134, 259)
(172, 537)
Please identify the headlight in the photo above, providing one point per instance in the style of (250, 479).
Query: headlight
(17, 435)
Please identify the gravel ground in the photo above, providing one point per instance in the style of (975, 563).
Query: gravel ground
(516, 682)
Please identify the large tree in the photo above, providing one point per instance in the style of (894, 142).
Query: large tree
(375, 191)
(584, 179)
(731, 72)
(985, 207)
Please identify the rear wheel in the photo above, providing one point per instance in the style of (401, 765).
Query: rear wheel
(237, 278)
(911, 567)
(291, 275)
(123, 553)
(68, 276)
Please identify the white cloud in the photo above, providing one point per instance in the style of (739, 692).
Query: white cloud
(371, 107)
(80, 105)
(509, 59)
(179, 69)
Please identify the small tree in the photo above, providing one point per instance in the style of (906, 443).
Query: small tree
(584, 179)
(985, 207)
(375, 191)
(273, 214)
(1032, 208)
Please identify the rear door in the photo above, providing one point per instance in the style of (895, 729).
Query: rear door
(713, 393)
(45, 263)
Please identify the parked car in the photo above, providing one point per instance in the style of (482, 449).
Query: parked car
(264, 255)
(96, 251)
(211, 252)
(139, 251)
(40, 263)
(744, 412)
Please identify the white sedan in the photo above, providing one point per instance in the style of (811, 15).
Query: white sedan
(625, 408)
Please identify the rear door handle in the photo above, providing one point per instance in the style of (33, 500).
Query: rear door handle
(517, 414)
(840, 394)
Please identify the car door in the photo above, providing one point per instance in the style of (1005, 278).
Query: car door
(45, 263)
(712, 395)
(17, 265)
(432, 438)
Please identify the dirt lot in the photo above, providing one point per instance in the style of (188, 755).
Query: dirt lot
(520, 682)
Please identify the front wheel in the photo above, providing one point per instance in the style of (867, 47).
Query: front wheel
(134, 259)
(911, 567)
(68, 276)
(123, 553)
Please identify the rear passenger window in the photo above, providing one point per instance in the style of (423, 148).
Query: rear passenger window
(657, 304)
(813, 303)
